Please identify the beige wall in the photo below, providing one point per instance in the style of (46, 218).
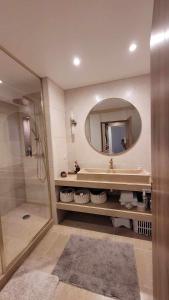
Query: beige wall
(58, 130)
(81, 100)
(54, 105)
(12, 192)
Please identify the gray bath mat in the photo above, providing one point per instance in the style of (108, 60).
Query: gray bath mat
(101, 266)
(35, 285)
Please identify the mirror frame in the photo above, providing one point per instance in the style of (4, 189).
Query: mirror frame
(113, 154)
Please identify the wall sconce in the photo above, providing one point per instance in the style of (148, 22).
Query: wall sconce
(73, 124)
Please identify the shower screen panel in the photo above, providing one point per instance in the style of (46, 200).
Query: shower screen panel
(25, 206)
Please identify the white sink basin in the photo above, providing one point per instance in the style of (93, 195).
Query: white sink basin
(115, 175)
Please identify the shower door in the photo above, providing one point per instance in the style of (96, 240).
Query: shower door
(25, 206)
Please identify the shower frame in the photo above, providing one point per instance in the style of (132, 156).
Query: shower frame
(8, 270)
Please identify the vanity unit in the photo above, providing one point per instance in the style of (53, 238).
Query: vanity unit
(113, 179)
(112, 127)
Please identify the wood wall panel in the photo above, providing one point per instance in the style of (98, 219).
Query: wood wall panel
(160, 149)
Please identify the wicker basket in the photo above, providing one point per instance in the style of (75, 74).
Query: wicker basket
(81, 196)
(98, 197)
(66, 195)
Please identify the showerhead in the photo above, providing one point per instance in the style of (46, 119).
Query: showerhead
(21, 101)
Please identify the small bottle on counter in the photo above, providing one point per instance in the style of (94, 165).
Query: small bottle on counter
(77, 168)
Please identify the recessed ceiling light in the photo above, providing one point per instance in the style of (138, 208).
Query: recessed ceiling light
(133, 47)
(1, 81)
(76, 61)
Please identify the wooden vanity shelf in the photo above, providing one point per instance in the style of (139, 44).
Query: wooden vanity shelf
(111, 209)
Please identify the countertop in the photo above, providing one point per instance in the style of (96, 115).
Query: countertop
(71, 180)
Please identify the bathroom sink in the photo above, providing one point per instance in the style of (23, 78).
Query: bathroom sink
(115, 175)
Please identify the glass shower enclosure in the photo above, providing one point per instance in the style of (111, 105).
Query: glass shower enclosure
(25, 204)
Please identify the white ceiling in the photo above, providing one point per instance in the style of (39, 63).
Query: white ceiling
(46, 34)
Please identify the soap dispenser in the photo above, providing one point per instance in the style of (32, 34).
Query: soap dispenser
(77, 168)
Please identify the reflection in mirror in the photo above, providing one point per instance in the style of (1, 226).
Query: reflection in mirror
(113, 126)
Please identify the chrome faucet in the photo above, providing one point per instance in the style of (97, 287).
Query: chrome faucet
(111, 163)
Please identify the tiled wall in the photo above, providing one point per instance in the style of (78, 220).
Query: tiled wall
(12, 192)
(81, 100)
(36, 186)
(19, 179)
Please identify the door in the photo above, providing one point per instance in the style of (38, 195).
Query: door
(160, 147)
(118, 134)
(24, 192)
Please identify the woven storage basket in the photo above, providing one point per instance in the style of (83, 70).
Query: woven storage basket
(98, 197)
(81, 196)
(66, 195)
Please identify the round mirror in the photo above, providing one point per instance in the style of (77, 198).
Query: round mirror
(113, 126)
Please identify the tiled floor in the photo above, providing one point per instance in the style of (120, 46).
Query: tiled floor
(17, 233)
(46, 254)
